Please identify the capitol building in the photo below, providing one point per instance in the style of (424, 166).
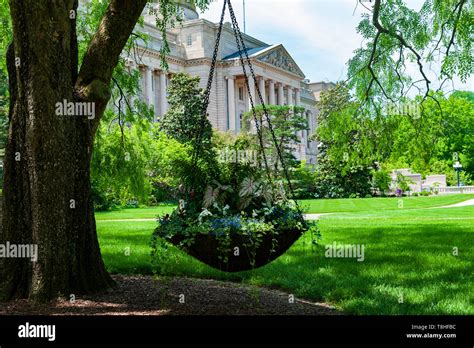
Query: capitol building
(192, 42)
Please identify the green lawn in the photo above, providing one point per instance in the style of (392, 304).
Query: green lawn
(135, 213)
(313, 206)
(408, 254)
(377, 204)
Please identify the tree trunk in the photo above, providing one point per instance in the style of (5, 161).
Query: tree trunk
(46, 197)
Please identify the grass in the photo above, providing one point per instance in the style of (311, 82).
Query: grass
(135, 213)
(377, 204)
(409, 266)
(312, 206)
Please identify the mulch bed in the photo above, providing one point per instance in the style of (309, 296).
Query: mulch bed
(145, 295)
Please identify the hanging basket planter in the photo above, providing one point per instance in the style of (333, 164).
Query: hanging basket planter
(258, 224)
(239, 257)
(234, 243)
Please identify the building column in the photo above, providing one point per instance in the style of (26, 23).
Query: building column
(290, 96)
(281, 94)
(231, 103)
(163, 96)
(261, 87)
(149, 86)
(271, 90)
(306, 132)
(252, 92)
(298, 96)
(142, 95)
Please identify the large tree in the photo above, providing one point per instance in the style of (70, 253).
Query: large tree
(46, 198)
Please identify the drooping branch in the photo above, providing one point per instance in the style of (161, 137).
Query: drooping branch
(455, 26)
(401, 40)
(458, 6)
(452, 19)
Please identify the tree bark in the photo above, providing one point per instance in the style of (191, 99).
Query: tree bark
(46, 196)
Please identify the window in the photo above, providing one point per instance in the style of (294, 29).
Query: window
(241, 93)
(189, 40)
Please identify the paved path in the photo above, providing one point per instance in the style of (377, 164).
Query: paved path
(460, 204)
(306, 216)
(125, 220)
(315, 216)
(469, 202)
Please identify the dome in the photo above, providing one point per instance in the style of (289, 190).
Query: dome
(188, 4)
(189, 9)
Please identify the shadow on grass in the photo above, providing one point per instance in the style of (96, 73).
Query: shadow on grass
(407, 271)
(409, 268)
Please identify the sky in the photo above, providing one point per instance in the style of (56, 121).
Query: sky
(319, 34)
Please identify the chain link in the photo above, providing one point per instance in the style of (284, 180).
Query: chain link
(242, 49)
(265, 111)
(207, 94)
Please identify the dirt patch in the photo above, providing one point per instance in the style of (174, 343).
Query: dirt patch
(144, 295)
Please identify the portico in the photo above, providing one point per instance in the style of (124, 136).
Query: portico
(279, 79)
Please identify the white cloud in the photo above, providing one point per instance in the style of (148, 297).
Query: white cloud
(319, 34)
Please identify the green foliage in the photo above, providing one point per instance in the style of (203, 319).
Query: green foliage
(332, 182)
(184, 119)
(3, 121)
(3, 110)
(286, 122)
(351, 138)
(402, 183)
(381, 181)
(186, 123)
(5, 40)
(223, 223)
(441, 31)
(6, 34)
(303, 181)
(136, 163)
(346, 153)
(427, 145)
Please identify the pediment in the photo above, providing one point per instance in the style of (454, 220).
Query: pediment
(280, 58)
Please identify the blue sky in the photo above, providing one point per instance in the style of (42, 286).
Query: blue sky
(319, 34)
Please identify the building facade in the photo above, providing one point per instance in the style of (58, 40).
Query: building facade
(192, 42)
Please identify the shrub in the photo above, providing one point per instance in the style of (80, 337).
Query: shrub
(381, 181)
(303, 181)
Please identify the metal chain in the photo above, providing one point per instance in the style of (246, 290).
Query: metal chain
(244, 69)
(242, 49)
(270, 126)
(208, 90)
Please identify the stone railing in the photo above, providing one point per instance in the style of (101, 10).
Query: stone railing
(456, 189)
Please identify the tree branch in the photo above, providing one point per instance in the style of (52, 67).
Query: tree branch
(401, 39)
(102, 56)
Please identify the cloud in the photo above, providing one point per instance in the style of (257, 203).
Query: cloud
(320, 35)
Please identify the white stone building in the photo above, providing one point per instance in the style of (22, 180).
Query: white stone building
(280, 79)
